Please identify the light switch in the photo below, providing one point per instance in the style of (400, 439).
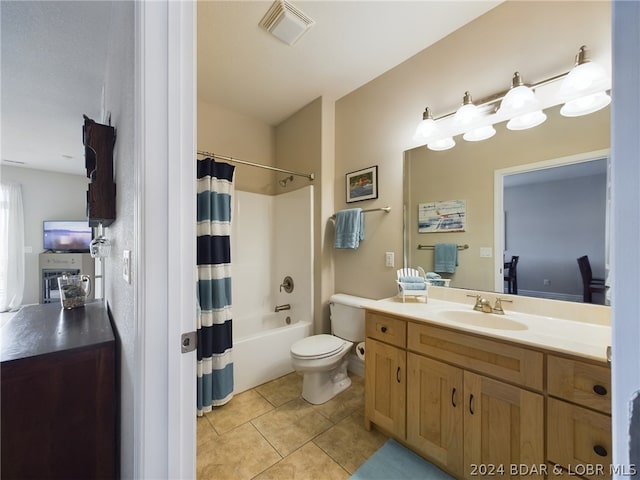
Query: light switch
(389, 260)
(126, 265)
(485, 252)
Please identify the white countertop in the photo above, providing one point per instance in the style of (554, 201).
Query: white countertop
(575, 337)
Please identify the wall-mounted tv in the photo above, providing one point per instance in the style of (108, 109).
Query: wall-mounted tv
(67, 236)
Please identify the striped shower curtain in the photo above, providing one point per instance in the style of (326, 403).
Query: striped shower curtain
(215, 365)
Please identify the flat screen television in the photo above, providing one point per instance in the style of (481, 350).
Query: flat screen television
(62, 236)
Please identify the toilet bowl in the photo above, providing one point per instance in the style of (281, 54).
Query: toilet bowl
(322, 359)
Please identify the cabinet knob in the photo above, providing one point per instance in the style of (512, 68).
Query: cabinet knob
(599, 390)
(600, 450)
(383, 329)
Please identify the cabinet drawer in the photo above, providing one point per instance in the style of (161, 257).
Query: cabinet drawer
(579, 437)
(579, 382)
(386, 329)
(504, 361)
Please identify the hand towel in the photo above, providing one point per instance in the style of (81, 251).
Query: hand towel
(445, 257)
(410, 286)
(432, 276)
(349, 228)
(412, 283)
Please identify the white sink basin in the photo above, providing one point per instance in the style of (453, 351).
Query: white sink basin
(479, 319)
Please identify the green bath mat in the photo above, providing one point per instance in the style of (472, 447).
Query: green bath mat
(395, 462)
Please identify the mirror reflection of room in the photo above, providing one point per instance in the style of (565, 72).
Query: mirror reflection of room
(548, 218)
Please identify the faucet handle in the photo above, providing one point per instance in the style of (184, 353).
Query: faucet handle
(478, 305)
(498, 306)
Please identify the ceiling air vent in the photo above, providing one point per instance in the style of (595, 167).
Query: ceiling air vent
(286, 22)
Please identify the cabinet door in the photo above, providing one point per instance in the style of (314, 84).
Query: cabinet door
(579, 439)
(385, 387)
(435, 411)
(503, 427)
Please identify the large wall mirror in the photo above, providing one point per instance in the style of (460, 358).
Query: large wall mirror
(538, 194)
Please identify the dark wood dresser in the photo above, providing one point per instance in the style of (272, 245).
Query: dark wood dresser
(58, 393)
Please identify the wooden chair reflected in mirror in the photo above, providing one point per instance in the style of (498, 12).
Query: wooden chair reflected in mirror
(511, 274)
(590, 285)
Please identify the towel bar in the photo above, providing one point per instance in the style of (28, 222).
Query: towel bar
(431, 247)
(381, 209)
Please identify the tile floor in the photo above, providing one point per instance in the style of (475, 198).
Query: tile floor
(271, 433)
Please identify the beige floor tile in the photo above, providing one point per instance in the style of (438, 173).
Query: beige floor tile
(349, 444)
(242, 408)
(288, 427)
(205, 430)
(240, 454)
(307, 463)
(345, 403)
(282, 390)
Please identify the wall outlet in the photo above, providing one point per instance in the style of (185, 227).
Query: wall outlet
(126, 265)
(389, 260)
(546, 281)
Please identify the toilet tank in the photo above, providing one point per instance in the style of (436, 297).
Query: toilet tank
(347, 316)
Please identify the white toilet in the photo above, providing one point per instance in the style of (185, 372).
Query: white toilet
(323, 358)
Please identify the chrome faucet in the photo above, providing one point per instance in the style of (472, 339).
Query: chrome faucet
(280, 308)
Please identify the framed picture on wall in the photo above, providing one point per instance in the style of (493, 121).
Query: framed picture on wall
(362, 184)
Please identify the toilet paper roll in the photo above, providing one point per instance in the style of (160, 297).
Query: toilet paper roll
(360, 350)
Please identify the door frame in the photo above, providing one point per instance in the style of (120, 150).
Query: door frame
(165, 379)
(498, 201)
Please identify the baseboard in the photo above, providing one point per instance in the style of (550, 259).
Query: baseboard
(567, 297)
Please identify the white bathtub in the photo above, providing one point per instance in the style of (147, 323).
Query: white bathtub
(261, 346)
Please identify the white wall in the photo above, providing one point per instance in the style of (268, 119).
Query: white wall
(119, 101)
(45, 196)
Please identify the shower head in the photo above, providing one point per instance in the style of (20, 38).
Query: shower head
(285, 180)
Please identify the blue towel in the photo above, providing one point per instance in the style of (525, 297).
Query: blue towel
(413, 286)
(445, 257)
(411, 280)
(412, 283)
(432, 276)
(349, 228)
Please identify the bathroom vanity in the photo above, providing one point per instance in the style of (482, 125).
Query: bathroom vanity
(486, 395)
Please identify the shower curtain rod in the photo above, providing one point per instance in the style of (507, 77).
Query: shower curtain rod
(310, 176)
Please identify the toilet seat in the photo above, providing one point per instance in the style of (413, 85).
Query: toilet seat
(317, 346)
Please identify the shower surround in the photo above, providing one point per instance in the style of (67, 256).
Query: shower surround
(272, 238)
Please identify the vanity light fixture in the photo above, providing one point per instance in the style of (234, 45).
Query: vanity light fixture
(441, 144)
(429, 132)
(469, 116)
(521, 106)
(584, 89)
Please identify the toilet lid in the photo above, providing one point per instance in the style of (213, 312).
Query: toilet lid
(317, 346)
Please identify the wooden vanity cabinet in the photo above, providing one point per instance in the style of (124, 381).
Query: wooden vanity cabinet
(464, 420)
(456, 416)
(578, 417)
(385, 385)
(503, 426)
(435, 411)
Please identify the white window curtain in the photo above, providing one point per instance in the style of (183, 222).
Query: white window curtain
(11, 246)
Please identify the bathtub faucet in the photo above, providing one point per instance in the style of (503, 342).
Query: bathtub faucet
(280, 308)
